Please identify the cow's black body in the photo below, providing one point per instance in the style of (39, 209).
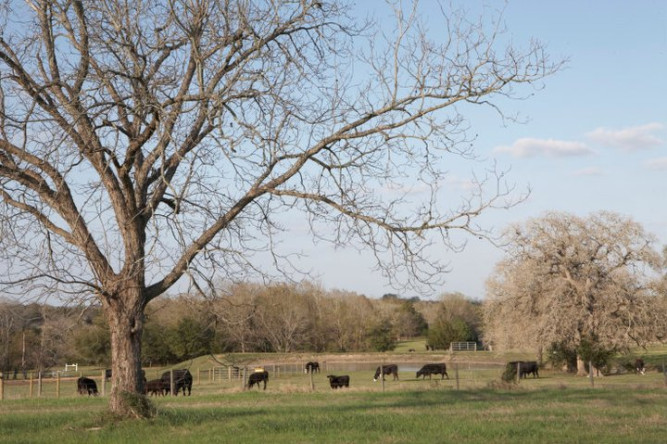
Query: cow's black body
(312, 367)
(339, 381)
(182, 381)
(257, 377)
(389, 369)
(156, 387)
(433, 369)
(640, 366)
(526, 367)
(86, 385)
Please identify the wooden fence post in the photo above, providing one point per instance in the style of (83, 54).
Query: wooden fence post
(171, 382)
(32, 378)
(2, 388)
(39, 384)
(456, 372)
(590, 373)
(243, 379)
(104, 382)
(58, 385)
(518, 372)
(312, 383)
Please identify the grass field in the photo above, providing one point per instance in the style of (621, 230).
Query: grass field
(424, 415)
(554, 408)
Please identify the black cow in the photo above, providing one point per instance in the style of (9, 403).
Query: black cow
(257, 377)
(312, 367)
(525, 367)
(639, 366)
(339, 381)
(433, 369)
(389, 369)
(86, 385)
(182, 380)
(156, 387)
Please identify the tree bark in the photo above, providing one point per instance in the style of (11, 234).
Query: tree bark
(582, 369)
(125, 315)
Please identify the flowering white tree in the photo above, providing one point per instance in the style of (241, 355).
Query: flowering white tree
(570, 280)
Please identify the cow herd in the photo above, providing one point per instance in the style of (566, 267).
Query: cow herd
(181, 380)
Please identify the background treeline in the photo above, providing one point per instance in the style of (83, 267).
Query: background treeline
(241, 318)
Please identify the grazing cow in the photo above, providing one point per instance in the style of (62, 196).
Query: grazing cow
(525, 367)
(182, 380)
(339, 381)
(433, 369)
(86, 385)
(257, 377)
(107, 374)
(312, 367)
(156, 387)
(389, 369)
(639, 366)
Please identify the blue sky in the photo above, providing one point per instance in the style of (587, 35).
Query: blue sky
(594, 138)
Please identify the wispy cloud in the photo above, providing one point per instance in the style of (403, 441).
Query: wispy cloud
(659, 163)
(590, 171)
(628, 139)
(528, 147)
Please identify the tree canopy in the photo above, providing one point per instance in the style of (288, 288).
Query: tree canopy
(582, 283)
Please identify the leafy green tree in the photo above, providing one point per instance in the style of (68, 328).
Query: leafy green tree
(93, 342)
(381, 336)
(191, 338)
(409, 322)
(446, 331)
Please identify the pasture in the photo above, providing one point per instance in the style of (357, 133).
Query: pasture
(474, 405)
(554, 408)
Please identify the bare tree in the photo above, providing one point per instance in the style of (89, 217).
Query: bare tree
(144, 141)
(572, 280)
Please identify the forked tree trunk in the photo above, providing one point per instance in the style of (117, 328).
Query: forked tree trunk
(126, 323)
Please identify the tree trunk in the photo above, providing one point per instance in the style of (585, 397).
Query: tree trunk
(126, 321)
(582, 369)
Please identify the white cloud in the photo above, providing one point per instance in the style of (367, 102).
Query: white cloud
(528, 147)
(628, 139)
(590, 171)
(659, 163)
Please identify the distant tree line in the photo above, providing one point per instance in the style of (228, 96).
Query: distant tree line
(239, 318)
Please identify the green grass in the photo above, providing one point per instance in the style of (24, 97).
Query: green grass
(556, 408)
(610, 415)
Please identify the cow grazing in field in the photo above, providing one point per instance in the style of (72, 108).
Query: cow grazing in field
(182, 380)
(639, 366)
(527, 367)
(86, 385)
(257, 377)
(156, 387)
(433, 369)
(339, 381)
(524, 367)
(389, 369)
(312, 367)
